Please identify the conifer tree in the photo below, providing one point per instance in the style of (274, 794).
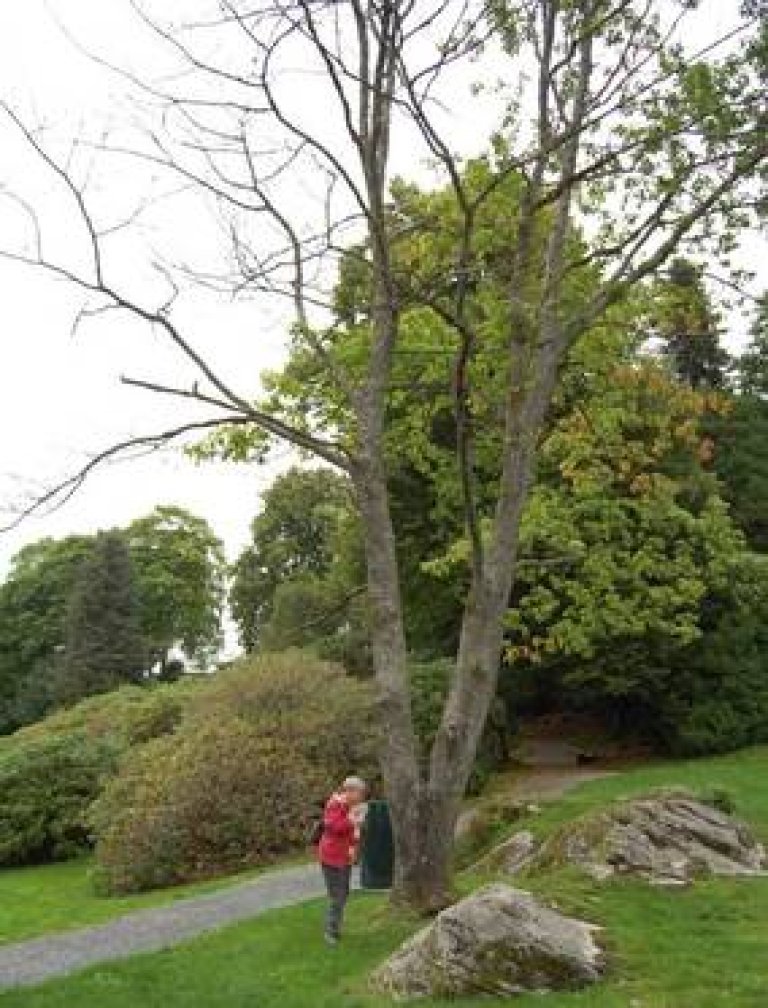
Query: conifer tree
(103, 644)
(689, 329)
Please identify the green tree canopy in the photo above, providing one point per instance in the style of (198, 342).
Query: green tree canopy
(33, 605)
(179, 569)
(305, 533)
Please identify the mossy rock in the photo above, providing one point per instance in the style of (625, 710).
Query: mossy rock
(667, 837)
(497, 942)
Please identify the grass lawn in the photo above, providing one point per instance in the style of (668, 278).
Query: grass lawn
(703, 947)
(36, 901)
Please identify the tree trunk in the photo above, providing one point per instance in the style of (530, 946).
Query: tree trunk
(424, 832)
(422, 855)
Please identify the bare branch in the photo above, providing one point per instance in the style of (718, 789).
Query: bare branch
(58, 495)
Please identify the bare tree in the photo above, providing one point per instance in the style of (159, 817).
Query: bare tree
(607, 103)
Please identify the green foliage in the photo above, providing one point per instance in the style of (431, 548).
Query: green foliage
(50, 772)
(624, 535)
(104, 646)
(718, 696)
(215, 797)
(740, 460)
(46, 785)
(688, 327)
(124, 717)
(429, 682)
(319, 614)
(238, 783)
(752, 365)
(178, 573)
(286, 718)
(305, 545)
(33, 606)
(630, 571)
(179, 569)
(627, 551)
(429, 688)
(302, 613)
(328, 716)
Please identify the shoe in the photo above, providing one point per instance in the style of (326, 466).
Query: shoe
(331, 939)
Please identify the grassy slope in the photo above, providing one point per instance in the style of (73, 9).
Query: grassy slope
(705, 947)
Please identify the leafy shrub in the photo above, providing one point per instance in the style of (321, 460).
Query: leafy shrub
(52, 771)
(733, 716)
(707, 696)
(46, 784)
(328, 716)
(237, 784)
(128, 715)
(215, 797)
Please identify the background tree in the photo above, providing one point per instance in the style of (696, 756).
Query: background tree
(613, 112)
(103, 645)
(740, 436)
(739, 439)
(179, 569)
(628, 549)
(689, 328)
(298, 538)
(752, 364)
(33, 607)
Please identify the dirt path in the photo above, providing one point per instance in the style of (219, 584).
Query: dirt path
(552, 767)
(547, 769)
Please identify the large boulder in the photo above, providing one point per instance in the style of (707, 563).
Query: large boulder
(665, 838)
(499, 941)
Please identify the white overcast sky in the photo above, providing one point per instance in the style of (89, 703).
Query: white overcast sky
(60, 396)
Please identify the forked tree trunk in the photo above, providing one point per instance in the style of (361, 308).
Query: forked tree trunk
(426, 801)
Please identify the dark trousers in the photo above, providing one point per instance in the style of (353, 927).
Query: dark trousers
(337, 885)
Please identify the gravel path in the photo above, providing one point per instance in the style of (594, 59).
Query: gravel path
(33, 961)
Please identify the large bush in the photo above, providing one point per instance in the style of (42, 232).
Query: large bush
(215, 797)
(52, 771)
(126, 716)
(46, 785)
(238, 783)
(293, 696)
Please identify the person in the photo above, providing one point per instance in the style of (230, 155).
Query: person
(338, 847)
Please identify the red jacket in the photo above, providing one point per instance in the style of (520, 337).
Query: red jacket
(337, 846)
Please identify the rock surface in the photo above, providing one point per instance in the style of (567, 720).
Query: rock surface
(666, 839)
(512, 855)
(499, 941)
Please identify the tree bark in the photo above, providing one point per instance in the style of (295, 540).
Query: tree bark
(424, 832)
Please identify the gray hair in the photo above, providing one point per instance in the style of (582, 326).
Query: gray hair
(354, 784)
